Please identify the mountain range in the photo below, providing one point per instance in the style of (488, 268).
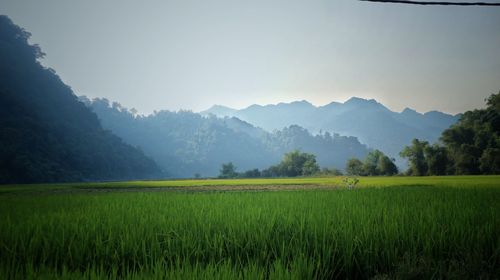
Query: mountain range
(368, 120)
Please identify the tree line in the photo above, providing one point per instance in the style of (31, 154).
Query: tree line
(297, 163)
(293, 164)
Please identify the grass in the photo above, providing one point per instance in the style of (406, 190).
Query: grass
(441, 227)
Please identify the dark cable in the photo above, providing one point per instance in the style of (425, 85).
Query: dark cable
(436, 3)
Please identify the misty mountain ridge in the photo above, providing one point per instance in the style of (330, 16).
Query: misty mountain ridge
(370, 121)
(354, 103)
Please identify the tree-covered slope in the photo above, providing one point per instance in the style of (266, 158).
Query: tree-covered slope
(186, 143)
(46, 134)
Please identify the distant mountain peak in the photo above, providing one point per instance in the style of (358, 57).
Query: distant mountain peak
(302, 102)
(359, 100)
(435, 113)
(410, 111)
(333, 103)
(219, 110)
(355, 99)
(255, 106)
(220, 107)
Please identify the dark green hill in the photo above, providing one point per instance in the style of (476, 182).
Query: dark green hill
(46, 134)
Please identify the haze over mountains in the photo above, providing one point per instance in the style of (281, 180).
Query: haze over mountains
(47, 134)
(186, 143)
(371, 122)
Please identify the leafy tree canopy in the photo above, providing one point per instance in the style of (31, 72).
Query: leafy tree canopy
(293, 164)
(471, 146)
(376, 163)
(228, 171)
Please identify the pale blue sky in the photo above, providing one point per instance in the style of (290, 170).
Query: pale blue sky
(191, 54)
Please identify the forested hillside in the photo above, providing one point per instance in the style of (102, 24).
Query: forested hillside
(368, 120)
(46, 134)
(186, 143)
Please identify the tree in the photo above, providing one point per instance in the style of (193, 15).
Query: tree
(371, 162)
(416, 157)
(227, 171)
(490, 161)
(253, 173)
(473, 142)
(272, 171)
(310, 167)
(461, 145)
(437, 160)
(291, 165)
(331, 172)
(296, 163)
(354, 167)
(376, 163)
(386, 166)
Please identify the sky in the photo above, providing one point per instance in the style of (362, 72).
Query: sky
(161, 54)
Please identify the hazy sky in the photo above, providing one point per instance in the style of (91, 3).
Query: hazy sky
(192, 54)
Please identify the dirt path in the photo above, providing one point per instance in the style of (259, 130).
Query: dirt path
(193, 189)
(203, 188)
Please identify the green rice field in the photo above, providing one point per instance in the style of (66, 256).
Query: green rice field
(305, 228)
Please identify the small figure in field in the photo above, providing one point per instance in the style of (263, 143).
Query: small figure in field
(350, 182)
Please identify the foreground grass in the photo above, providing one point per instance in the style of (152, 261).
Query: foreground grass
(450, 229)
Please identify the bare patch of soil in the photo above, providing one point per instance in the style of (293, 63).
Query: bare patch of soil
(185, 189)
(203, 188)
